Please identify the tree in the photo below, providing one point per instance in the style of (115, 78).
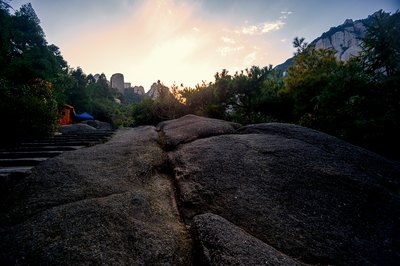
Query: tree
(24, 50)
(381, 45)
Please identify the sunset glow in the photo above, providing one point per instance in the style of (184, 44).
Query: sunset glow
(176, 40)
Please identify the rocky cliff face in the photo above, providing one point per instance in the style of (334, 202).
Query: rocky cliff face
(158, 89)
(201, 191)
(117, 82)
(139, 90)
(344, 39)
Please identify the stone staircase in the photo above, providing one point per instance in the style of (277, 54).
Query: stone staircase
(19, 160)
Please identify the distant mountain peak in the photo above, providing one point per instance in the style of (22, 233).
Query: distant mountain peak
(344, 39)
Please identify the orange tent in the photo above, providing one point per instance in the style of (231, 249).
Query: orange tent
(66, 114)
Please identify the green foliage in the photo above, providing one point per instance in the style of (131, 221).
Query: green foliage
(28, 98)
(28, 111)
(24, 50)
(358, 100)
(382, 45)
(250, 96)
(152, 111)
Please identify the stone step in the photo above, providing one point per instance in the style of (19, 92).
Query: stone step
(18, 170)
(21, 161)
(45, 148)
(61, 143)
(28, 154)
(72, 138)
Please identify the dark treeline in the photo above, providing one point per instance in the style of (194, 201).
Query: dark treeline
(358, 100)
(35, 80)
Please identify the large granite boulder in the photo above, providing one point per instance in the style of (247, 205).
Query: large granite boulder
(220, 242)
(309, 195)
(104, 205)
(77, 129)
(206, 192)
(192, 127)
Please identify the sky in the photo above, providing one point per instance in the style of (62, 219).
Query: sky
(187, 41)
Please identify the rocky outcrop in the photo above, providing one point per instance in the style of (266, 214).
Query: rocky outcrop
(138, 90)
(190, 128)
(158, 90)
(117, 82)
(307, 194)
(345, 40)
(223, 243)
(207, 192)
(77, 129)
(104, 205)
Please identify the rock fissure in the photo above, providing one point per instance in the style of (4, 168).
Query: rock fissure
(259, 196)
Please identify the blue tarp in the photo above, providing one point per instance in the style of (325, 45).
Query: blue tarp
(84, 116)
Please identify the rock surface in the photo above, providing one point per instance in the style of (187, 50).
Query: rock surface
(191, 127)
(103, 205)
(158, 90)
(307, 194)
(222, 243)
(117, 82)
(139, 90)
(76, 129)
(346, 42)
(274, 194)
(99, 125)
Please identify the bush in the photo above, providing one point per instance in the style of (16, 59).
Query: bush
(27, 111)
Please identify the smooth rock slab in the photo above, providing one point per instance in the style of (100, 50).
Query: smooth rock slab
(191, 127)
(307, 194)
(104, 205)
(222, 243)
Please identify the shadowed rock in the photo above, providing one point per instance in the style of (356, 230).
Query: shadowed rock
(307, 194)
(76, 129)
(191, 127)
(222, 243)
(107, 204)
(291, 195)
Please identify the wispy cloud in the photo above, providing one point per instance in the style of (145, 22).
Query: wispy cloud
(261, 28)
(264, 27)
(250, 59)
(228, 40)
(226, 50)
(285, 12)
(164, 40)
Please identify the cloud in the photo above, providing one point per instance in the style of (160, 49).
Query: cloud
(226, 50)
(285, 12)
(262, 28)
(267, 27)
(228, 40)
(250, 59)
(166, 40)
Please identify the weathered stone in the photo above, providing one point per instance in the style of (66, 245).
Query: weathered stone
(222, 243)
(157, 90)
(191, 127)
(117, 82)
(290, 195)
(139, 90)
(76, 129)
(99, 125)
(307, 194)
(108, 204)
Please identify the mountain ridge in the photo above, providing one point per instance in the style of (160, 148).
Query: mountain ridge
(344, 39)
